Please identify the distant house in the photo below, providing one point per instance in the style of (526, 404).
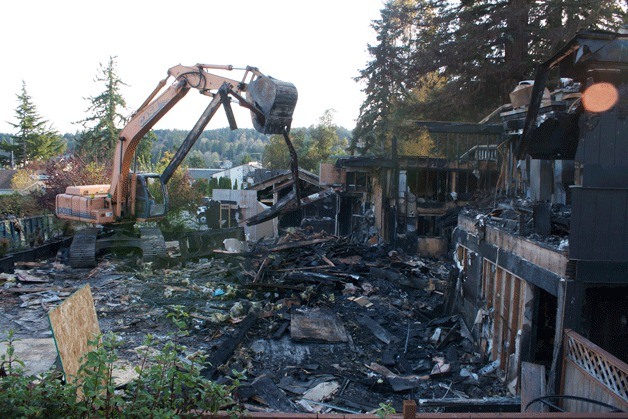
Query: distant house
(243, 174)
(197, 173)
(5, 181)
(36, 182)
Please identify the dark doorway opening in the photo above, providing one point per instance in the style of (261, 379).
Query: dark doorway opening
(544, 328)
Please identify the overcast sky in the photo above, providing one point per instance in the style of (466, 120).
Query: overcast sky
(56, 47)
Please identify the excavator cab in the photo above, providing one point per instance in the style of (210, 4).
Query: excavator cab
(151, 196)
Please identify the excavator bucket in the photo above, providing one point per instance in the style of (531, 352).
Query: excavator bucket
(276, 100)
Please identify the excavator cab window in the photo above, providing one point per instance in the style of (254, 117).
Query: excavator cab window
(151, 198)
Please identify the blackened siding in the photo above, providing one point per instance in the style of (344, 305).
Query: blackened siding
(599, 224)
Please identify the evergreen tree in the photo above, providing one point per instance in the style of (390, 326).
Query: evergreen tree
(384, 76)
(102, 125)
(224, 183)
(34, 140)
(477, 49)
(145, 156)
(213, 184)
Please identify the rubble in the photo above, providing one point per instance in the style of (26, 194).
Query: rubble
(544, 223)
(315, 322)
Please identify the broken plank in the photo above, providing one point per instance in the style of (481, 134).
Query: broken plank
(271, 395)
(301, 243)
(25, 276)
(362, 300)
(532, 386)
(305, 268)
(313, 277)
(225, 350)
(328, 261)
(25, 290)
(379, 332)
(281, 330)
(397, 382)
(321, 392)
(262, 268)
(275, 286)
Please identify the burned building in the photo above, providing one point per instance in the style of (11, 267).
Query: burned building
(544, 271)
(401, 200)
(278, 192)
(534, 210)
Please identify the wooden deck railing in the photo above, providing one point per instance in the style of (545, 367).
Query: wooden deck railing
(597, 374)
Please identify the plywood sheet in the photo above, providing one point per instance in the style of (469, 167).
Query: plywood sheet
(532, 386)
(73, 324)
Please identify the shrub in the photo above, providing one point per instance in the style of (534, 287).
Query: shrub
(4, 246)
(21, 205)
(168, 384)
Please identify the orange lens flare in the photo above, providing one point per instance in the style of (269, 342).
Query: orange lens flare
(600, 97)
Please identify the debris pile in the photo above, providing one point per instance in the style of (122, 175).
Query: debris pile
(315, 323)
(541, 222)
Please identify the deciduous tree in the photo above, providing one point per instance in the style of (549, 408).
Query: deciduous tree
(182, 196)
(71, 171)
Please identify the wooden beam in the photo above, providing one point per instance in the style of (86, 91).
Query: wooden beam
(547, 258)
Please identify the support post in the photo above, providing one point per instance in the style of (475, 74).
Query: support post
(409, 409)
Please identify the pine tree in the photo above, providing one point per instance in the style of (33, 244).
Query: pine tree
(477, 49)
(102, 125)
(34, 140)
(385, 75)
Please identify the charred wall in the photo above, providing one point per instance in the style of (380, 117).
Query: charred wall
(509, 293)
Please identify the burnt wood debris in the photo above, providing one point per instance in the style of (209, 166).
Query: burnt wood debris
(312, 319)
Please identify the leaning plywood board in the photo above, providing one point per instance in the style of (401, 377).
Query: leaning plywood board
(74, 323)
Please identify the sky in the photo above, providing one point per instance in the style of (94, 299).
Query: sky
(57, 47)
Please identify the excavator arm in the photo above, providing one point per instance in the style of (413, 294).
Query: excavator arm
(134, 197)
(270, 101)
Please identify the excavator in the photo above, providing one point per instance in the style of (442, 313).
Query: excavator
(114, 209)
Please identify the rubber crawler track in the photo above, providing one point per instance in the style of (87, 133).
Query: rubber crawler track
(83, 248)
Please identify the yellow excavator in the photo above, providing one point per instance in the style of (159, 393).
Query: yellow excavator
(132, 196)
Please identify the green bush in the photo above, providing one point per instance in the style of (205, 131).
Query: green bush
(168, 384)
(20, 205)
(4, 246)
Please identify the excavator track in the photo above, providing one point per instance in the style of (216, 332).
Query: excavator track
(153, 245)
(83, 248)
